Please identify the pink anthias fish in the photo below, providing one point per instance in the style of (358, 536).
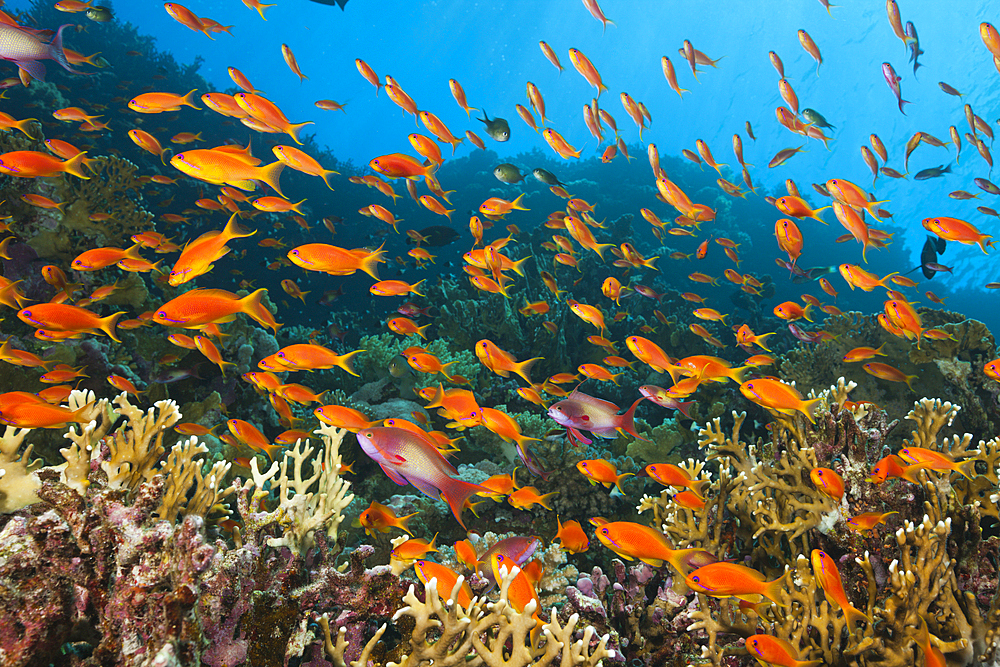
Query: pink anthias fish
(517, 550)
(580, 412)
(406, 457)
(659, 396)
(893, 80)
(22, 47)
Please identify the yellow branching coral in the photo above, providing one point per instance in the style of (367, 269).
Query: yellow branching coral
(182, 471)
(301, 511)
(487, 633)
(18, 486)
(766, 504)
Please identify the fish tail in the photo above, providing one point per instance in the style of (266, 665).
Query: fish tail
(760, 340)
(325, 175)
(627, 421)
(456, 493)
(56, 51)
(854, 615)
(809, 408)
(234, 231)
(901, 103)
(369, 264)
(524, 368)
(619, 478)
(270, 175)
(346, 361)
(21, 124)
(438, 399)
(966, 468)
(516, 204)
(805, 312)
(294, 129)
(773, 590)
(698, 487)
(519, 266)
(107, 325)
(253, 305)
(420, 330)
(186, 100)
(74, 166)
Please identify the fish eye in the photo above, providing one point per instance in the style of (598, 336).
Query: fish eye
(27, 313)
(696, 579)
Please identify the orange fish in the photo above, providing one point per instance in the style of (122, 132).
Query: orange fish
(571, 536)
(160, 102)
(810, 46)
(527, 496)
(827, 482)
(775, 651)
(858, 277)
(336, 261)
(828, 577)
(66, 317)
(890, 373)
(293, 65)
(31, 164)
(378, 517)
(446, 581)
(198, 256)
(198, 307)
(953, 229)
(223, 167)
(599, 471)
(550, 55)
(780, 397)
(732, 580)
(503, 363)
(587, 70)
(342, 417)
(935, 460)
(863, 522)
(637, 541)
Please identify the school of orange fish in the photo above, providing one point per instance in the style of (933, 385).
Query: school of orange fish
(409, 452)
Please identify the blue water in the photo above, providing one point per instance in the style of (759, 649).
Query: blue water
(492, 49)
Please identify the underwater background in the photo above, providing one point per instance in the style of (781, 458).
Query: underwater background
(706, 304)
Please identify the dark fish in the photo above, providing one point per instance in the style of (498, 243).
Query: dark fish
(816, 118)
(436, 236)
(915, 50)
(498, 129)
(175, 375)
(814, 273)
(932, 172)
(508, 173)
(339, 3)
(948, 89)
(545, 176)
(933, 247)
(100, 13)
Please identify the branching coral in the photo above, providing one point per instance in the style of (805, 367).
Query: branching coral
(764, 508)
(487, 633)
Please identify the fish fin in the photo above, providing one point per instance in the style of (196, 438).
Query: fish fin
(456, 493)
(393, 475)
(107, 325)
(773, 590)
(294, 129)
(253, 306)
(627, 420)
(966, 468)
(854, 615)
(270, 175)
(74, 164)
(524, 368)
